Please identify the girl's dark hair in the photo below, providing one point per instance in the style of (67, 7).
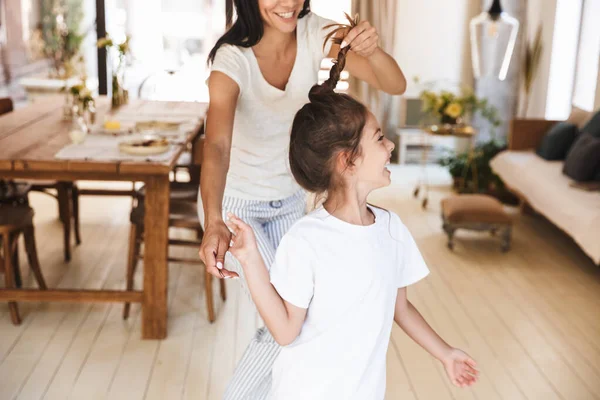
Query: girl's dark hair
(331, 123)
(248, 29)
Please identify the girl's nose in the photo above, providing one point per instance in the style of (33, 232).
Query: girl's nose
(390, 145)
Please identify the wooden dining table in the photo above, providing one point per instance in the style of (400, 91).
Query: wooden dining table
(31, 137)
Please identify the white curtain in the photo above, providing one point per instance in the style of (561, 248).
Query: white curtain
(382, 15)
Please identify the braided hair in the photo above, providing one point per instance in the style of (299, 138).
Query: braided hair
(330, 124)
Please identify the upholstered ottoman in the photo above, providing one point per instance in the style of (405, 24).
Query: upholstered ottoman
(475, 212)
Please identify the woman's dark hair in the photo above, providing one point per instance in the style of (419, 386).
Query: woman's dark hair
(248, 29)
(331, 123)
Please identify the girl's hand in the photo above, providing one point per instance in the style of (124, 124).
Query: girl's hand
(461, 368)
(363, 39)
(243, 243)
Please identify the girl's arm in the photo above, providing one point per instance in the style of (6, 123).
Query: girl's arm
(368, 62)
(217, 147)
(459, 366)
(412, 322)
(283, 319)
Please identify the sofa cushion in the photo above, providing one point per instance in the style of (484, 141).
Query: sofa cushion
(579, 116)
(593, 125)
(583, 160)
(557, 141)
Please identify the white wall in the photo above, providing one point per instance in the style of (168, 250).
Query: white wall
(332, 9)
(432, 40)
(585, 94)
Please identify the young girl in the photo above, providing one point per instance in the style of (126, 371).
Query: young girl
(340, 273)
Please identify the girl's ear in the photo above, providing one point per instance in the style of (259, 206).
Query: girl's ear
(343, 163)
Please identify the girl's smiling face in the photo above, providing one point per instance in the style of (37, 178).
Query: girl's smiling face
(370, 167)
(281, 14)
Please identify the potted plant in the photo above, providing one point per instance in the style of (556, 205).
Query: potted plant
(446, 107)
(470, 170)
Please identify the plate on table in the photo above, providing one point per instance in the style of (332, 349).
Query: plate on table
(145, 146)
(142, 126)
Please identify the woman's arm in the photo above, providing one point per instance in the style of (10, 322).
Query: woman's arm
(368, 62)
(461, 368)
(283, 319)
(223, 93)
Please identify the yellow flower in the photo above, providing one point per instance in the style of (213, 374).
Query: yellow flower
(105, 42)
(454, 110)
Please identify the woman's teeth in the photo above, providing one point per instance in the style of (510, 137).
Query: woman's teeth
(286, 15)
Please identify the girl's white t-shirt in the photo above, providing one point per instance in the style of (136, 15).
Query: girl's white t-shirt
(259, 164)
(347, 276)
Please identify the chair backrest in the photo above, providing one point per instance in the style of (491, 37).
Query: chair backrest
(6, 105)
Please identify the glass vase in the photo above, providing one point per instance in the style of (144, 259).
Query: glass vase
(120, 96)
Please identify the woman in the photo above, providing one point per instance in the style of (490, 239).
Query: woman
(262, 70)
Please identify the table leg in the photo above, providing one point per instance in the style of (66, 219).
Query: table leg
(156, 272)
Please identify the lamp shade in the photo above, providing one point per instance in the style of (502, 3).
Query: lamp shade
(493, 35)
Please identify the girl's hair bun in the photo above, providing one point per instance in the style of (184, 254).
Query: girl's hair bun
(318, 92)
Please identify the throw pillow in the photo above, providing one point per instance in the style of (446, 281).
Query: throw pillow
(583, 159)
(579, 116)
(593, 125)
(557, 141)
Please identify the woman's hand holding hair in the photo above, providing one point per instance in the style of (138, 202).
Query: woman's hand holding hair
(363, 39)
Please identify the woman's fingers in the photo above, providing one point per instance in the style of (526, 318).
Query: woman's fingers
(208, 251)
(367, 45)
(214, 272)
(222, 248)
(354, 33)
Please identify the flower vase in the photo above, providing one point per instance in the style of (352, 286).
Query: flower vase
(120, 96)
(68, 106)
(79, 128)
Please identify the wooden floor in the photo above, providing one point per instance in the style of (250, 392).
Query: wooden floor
(529, 317)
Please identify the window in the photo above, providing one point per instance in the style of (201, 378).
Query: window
(588, 56)
(563, 58)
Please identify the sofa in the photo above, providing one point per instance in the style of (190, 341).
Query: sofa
(542, 185)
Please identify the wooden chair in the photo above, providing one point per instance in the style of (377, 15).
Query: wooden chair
(14, 221)
(66, 193)
(6, 105)
(182, 214)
